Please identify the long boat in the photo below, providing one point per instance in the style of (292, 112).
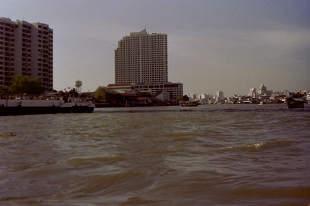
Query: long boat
(24, 106)
(295, 103)
(188, 104)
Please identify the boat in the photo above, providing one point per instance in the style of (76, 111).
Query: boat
(261, 103)
(295, 103)
(188, 104)
(48, 106)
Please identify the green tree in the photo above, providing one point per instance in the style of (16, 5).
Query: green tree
(23, 84)
(185, 98)
(73, 93)
(179, 99)
(103, 93)
(35, 87)
(100, 93)
(4, 91)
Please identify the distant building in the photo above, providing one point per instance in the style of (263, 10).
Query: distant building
(252, 93)
(122, 88)
(287, 93)
(263, 90)
(219, 94)
(141, 60)
(308, 96)
(192, 96)
(204, 96)
(232, 100)
(164, 96)
(26, 48)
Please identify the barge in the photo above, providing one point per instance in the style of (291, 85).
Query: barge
(295, 103)
(25, 107)
(188, 104)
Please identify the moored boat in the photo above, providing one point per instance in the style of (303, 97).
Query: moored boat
(295, 103)
(188, 104)
(24, 106)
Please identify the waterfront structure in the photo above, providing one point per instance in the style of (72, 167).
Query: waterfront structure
(176, 89)
(122, 88)
(141, 63)
(164, 96)
(252, 93)
(52, 106)
(26, 48)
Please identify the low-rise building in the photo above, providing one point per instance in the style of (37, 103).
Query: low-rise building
(176, 89)
(163, 96)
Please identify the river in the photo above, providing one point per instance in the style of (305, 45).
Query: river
(207, 155)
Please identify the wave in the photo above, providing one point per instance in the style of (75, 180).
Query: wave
(197, 110)
(262, 145)
(96, 159)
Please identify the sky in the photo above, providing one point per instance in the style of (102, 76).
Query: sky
(227, 45)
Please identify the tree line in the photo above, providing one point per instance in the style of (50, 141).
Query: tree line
(22, 84)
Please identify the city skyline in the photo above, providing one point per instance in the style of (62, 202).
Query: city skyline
(213, 45)
(253, 92)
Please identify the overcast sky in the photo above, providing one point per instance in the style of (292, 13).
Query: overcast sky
(227, 45)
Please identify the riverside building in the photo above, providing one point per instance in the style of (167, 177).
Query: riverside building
(141, 60)
(252, 93)
(26, 48)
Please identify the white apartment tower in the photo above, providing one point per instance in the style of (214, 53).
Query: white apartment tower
(252, 93)
(142, 58)
(219, 94)
(26, 48)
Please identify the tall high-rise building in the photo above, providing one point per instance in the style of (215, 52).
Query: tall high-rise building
(141, 63)
(219, 94)
(252, 93)
(26, 48)
(142, 58)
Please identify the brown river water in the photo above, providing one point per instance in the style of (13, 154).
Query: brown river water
(207, 155)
